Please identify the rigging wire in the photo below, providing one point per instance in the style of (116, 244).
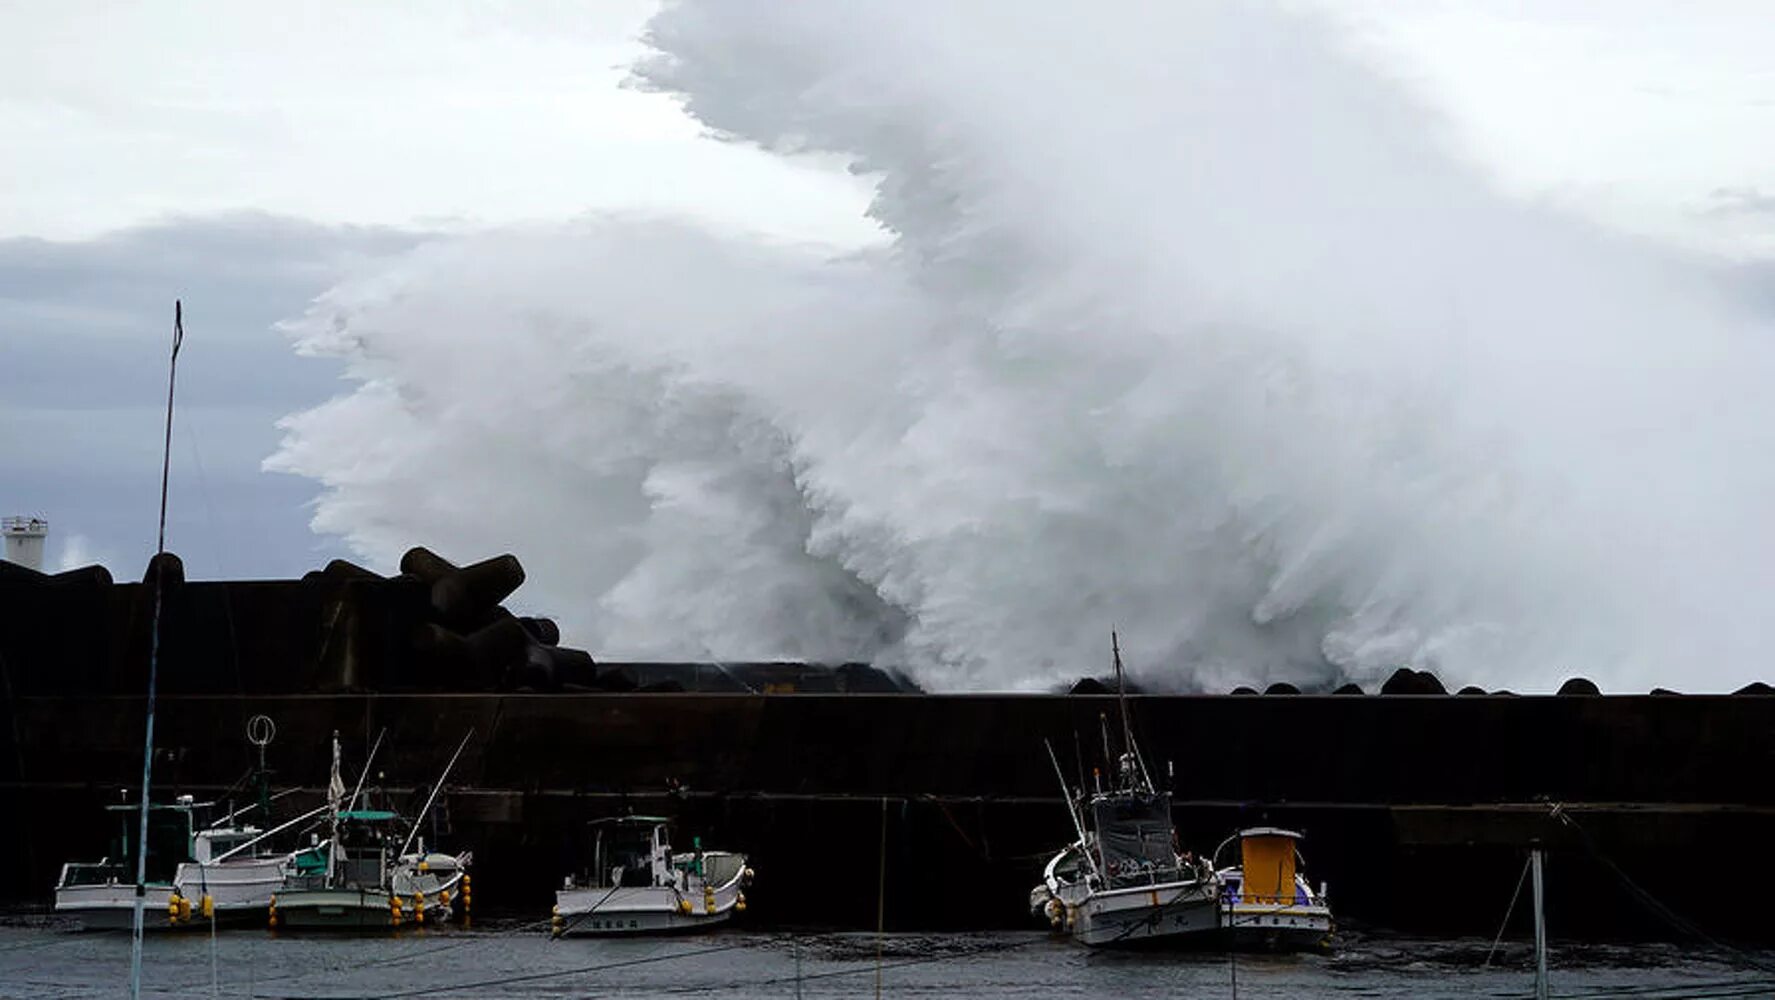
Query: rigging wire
(994, 948)
(1657, 907)
(557, 935)
(559, 974)
(371, 964)
(1714, 988)
(1508, 910)
(1673, 991)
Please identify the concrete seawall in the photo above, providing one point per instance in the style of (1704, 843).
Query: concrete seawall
(1415, 807)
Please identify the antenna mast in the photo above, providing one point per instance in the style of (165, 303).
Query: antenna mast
(1115, 648)
(1128, 745)
(159, 573)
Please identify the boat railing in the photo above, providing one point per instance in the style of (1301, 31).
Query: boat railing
(1233, 893)
(305, 881)
(722, 867)
(353, 873)
(1149, 873)
(364, 872)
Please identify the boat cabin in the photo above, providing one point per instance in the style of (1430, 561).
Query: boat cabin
(631, 852)
(1136, 843)
(172, 835)
(1268, 860)
(366, 839)
(210, 845)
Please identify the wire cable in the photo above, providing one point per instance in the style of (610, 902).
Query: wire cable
(536, 976)
(1508, 911)
(1658, 908)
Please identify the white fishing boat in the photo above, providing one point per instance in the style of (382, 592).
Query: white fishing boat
(636, 883)
(356, 879)
(234, 868)
(231, 877)
(1123, 881)
(1266, 901)
(192, 874)
(363, 876)
(101, 895)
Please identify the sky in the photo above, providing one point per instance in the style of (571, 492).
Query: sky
(1657, 116)
(406, 114)
(245, 156)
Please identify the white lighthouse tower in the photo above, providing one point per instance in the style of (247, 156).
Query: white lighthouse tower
(24, 540)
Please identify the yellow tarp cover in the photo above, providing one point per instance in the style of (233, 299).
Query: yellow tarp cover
(1268, 862)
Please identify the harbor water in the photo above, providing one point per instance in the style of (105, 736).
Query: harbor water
(40, 958)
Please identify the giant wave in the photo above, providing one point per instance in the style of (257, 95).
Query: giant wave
(1184, 322)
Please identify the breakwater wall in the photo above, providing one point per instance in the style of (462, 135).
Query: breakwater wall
(1417, 807)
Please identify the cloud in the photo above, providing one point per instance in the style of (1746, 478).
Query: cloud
(1741, 201)
(85, 328)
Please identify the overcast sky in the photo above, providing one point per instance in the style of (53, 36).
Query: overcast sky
(243, 155)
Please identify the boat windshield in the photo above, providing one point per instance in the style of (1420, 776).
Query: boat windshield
(1135, 837)
(623, 855)
(169, 840)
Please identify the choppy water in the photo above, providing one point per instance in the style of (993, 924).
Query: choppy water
(47, 961)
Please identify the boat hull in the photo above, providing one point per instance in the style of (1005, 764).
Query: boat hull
(237, 889)
(318, 907)
(1260, 927)
(351, 910)
(112, 907)
(334, 909)
(1172, 914)
(642, 910)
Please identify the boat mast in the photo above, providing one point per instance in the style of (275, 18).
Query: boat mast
(1115, 648)
(365, 773)
(1108, 755)
(433, 797)
(1078, 826)
(231, 852)
(159, 572)
(1128, 746)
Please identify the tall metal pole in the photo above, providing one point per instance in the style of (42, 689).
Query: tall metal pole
(135, 941)
(435, 789)
(1535, 862)
(881, 899)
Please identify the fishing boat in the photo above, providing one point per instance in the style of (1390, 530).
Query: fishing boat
(234, 869)
(362, 875)
(636, 883)
(231, 876)
(359, 879)
(1123, 880)
(217, 872)
(1266, 901)
(220, 871)
(226, 875)
(101, 895)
